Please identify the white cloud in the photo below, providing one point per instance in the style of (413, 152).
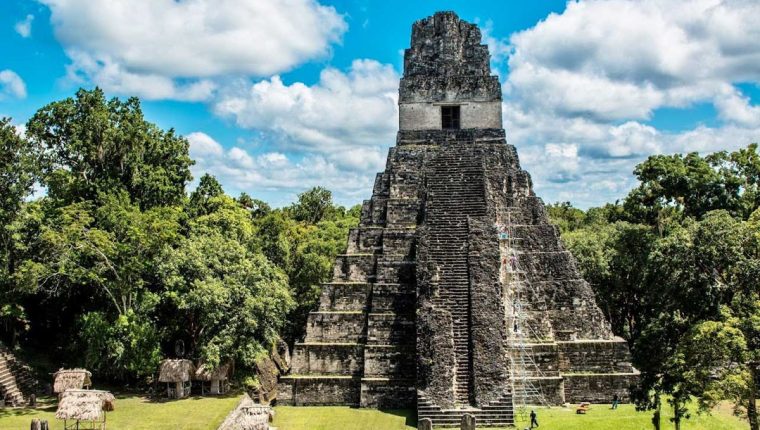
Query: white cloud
(621, 59)
(274, 175)
(24, 27)
(347, 117)
(166, 48)
(11, 85)
(594, 74)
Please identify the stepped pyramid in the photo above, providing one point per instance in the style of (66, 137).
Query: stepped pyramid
(452, 251)
(16, 380)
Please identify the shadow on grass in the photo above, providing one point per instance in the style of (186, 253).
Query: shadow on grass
(410, 415)
(20, 412)
(164, 399)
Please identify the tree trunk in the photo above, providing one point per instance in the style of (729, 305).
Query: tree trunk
(656, 415)
(752, 399)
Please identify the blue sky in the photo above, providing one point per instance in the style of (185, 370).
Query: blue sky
(277, 96)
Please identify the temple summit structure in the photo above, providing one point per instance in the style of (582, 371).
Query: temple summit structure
(456, 294)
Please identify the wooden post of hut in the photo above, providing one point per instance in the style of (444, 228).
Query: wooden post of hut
(178, 375)
(216, 378)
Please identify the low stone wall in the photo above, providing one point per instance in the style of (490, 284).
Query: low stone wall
(318, 391)
(388, 393)
(599, 388)
(327, 359)
(389, 361)
(604, 356)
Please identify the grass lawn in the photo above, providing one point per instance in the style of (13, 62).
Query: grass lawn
(600, 417)
(138, 413)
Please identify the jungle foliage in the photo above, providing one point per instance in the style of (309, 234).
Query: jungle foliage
(112, 265)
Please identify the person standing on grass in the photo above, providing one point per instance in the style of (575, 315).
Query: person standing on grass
(533, 419)
(615, 401)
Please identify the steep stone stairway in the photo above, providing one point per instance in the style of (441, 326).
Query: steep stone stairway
(456, 192)
(495, 414)
(15, 378)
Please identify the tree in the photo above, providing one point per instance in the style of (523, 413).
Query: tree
(313, 206)
(229, 301)
(208, 189)
(17, 175)
(90, 147)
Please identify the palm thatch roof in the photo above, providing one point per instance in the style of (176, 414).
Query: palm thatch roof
(176, 371)
(206, 373)
(248, 415)
(84, 405)
(65, 379)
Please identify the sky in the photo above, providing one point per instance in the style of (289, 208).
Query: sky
(277, 96)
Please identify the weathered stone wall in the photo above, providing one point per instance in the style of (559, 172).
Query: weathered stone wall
(327, 359)
(318, 390)
(436, 364)
(488, 328)
(336, 326)
(387, 393)
(598, 388)
(607, 356)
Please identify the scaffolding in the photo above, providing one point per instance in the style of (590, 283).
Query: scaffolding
(524, 371)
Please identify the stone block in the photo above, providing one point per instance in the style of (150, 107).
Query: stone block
(336, 326)
(388, 393)
(402, 212)
(318, 391)
(398, 298)
(425, 424)
(349, 296)
(468, 422)
(390, 328)
(327, 359)
(354, 268)
(386, 361)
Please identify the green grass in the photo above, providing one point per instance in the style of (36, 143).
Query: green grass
(600, 417)
(341, 418)
(138, 413)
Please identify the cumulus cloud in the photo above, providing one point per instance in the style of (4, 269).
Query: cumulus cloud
(582, 85)
(166, 48)
(348, 117)
(24, 27)
(274, 175)
(11, 85)
(621, 59)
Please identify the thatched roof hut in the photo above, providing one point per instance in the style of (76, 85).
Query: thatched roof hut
(176, 371)
(206, 373)
(248, 416)
(84, 405)
(66, 379)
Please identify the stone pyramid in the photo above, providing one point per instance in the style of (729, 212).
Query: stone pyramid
(456, 294)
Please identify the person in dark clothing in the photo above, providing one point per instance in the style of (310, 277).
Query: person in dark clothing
(615, 401)
(533, 419)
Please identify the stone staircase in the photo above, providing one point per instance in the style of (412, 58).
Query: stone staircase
(455, 193)
(16, 378)
(496, 414)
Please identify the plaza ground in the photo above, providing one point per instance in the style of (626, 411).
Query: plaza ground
(197, 413)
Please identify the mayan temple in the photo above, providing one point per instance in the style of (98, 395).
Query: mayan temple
(456, 294)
